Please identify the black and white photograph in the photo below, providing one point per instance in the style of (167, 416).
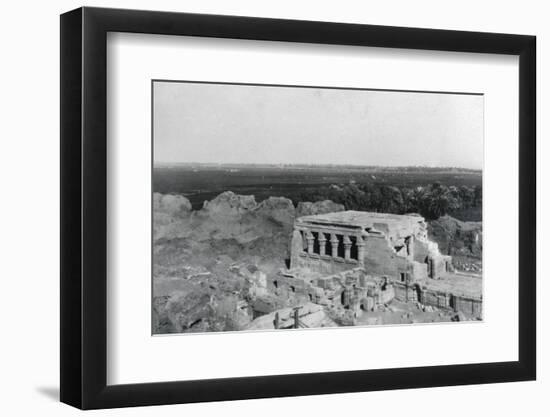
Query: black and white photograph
(273, 209)
(279, 207)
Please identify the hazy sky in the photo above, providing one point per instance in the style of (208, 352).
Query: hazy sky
(220, 123)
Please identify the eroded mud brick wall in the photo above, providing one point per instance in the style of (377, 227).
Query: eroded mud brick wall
(380, 259)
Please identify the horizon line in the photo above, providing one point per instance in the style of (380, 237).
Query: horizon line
(313, 165)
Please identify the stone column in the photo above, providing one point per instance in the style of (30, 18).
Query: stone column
(347, 247)
(360, 250)
(334, 242)
(310, 238)
(322, 243)
(431, 267)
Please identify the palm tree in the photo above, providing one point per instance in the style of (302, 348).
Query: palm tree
(441, 201)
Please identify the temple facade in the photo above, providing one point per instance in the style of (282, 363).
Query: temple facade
(389, 245)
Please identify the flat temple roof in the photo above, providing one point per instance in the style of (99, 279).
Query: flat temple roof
(363, 219)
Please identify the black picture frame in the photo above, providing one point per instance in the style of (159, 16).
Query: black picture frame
(84, 207)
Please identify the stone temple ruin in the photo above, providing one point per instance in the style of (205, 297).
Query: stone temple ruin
(392, 245)
(352, 262)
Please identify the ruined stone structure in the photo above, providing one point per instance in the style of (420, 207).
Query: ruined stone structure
(345, 294)
(390, 245)
(351, 263)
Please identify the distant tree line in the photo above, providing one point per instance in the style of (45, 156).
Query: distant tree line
(432, 201)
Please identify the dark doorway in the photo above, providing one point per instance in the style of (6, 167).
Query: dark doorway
(354, 254)
(328, 245)
(316, 247)
(341, 250)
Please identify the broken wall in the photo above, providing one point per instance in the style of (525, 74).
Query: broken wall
(323, 265)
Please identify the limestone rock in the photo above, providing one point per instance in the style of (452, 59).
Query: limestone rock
(230, 216)
(319, 207)
(227, 217)
(169, 212)
(228, 203)
(277, 209)
(171, 204)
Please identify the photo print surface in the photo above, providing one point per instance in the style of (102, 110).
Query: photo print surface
(297, 207)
